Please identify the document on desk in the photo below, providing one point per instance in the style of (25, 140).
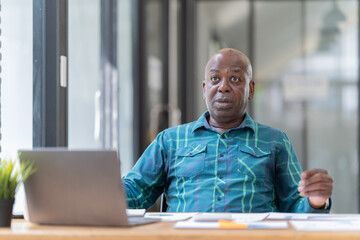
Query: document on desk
(313, 216)
(226, 224)
(169, 216)
(326, 225)
(230, 221)
(235, 217)
(135, 212)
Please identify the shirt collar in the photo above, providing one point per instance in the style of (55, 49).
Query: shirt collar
(248, 122)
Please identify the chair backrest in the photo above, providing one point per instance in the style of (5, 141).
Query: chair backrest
(163, 205)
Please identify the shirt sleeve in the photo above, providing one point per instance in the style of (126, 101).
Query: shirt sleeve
(288, 175)
(145, 182)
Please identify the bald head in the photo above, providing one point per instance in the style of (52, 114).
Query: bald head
(245, 64)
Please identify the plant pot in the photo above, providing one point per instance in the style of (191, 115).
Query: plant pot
(6, 207)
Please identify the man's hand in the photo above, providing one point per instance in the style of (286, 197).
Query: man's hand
(317, 185)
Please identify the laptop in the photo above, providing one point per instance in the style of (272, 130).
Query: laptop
(76, 187)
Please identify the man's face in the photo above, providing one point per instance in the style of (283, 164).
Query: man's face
(227, 86)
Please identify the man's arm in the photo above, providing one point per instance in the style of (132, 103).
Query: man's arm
(145, 182)
(315, 184)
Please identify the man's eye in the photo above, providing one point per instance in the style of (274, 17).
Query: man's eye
(214, 79)
(235, 79)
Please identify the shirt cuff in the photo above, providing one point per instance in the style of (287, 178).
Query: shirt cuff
(310, 209)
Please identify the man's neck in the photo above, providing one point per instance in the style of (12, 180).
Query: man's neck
(223, 126)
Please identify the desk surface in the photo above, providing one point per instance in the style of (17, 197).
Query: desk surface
(21, 229)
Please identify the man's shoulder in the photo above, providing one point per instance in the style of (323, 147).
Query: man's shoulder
(266, 130)
(267, 127)
(180, 128)
(176, 134)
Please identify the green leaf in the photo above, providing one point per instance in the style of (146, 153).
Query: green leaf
(10, 176)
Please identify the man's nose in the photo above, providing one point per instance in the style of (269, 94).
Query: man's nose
(224, 86)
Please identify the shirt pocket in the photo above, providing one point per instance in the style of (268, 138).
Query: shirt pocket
(254, 162)
(190, 160)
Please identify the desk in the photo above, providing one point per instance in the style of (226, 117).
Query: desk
(23, 230)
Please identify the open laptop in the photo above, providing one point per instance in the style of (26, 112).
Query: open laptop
(76, 187)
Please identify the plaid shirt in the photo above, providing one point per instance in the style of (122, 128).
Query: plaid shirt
(251, 168)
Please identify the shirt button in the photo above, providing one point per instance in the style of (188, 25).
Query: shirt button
(221, 155)
(220, 176)
(218, 198)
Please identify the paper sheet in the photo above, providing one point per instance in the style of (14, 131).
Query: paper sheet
(249, 217)
(168, 216)
(326, 225)
(235, 217)
(313, 216)
(135, 212)
(191, 224)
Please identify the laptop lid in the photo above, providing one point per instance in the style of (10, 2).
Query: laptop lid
(75, 187)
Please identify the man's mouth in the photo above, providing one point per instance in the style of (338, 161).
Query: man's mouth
(223, 103)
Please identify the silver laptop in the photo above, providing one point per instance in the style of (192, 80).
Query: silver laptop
(76, 187)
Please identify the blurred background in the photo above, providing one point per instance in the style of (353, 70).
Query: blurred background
(114, 73)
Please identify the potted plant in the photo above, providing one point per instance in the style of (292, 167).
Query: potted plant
(10, 177)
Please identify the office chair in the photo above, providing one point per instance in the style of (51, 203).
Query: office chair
(163, 205)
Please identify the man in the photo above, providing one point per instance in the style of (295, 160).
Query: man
(225, 161)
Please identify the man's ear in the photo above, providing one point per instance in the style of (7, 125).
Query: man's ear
(203, 84)
(251, 90)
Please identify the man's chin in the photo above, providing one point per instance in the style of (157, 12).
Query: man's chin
(224, 113)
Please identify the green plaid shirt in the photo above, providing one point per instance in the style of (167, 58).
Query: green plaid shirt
(251, 168)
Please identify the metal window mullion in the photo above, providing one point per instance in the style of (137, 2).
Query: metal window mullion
(358, 126)
(62, 101)
(187, 55)
(49, 98)
(109, 99)
(140, 76)
(0, 83)
(251, 48)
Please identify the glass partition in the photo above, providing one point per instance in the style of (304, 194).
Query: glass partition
(305, 62)
(85, 80)
(84, 72)
(16, 82)
(306, 71)
(214, 31)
